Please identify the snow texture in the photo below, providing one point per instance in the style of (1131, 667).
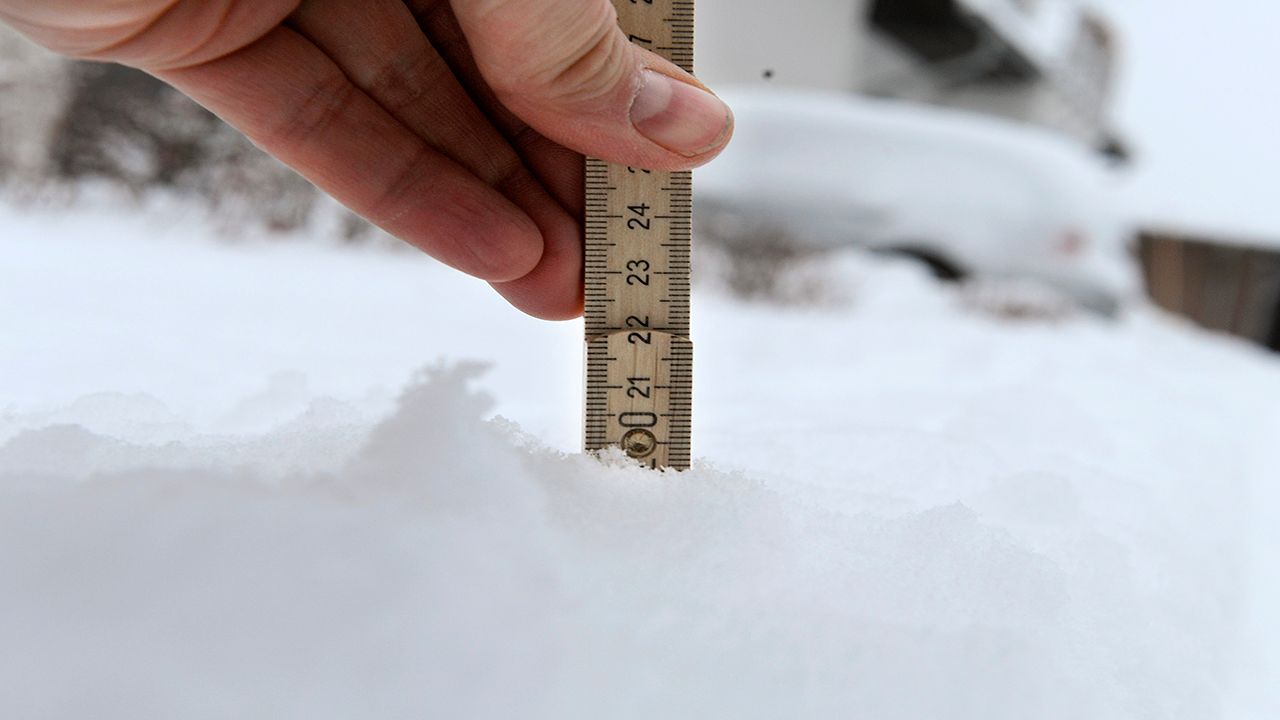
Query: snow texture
(907, 508)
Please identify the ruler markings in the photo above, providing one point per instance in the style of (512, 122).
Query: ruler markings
(637, 263)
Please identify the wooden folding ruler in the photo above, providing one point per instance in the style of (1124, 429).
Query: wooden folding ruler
(639, 393)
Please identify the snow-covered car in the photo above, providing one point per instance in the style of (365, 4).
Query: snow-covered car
(973, 196)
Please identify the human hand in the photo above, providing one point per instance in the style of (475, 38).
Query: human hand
(456, 125)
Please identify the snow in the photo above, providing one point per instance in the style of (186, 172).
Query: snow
(35, 86)
(989, 196)
(225, 491)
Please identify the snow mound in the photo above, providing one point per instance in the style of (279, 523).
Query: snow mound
(436, 564)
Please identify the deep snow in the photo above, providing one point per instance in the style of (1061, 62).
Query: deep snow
(907, 508)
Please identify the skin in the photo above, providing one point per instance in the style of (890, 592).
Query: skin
(457, 125)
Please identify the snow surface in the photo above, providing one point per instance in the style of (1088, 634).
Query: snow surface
(907, 508)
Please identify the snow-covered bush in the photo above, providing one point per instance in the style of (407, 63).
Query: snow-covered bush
(66, 124)
(128, 128)
(765, 267)
(33, 93)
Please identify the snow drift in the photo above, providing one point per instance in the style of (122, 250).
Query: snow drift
(439, 565)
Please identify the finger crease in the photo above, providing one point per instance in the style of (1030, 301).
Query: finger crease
(415, 168)
(399, 86)
(324, 104)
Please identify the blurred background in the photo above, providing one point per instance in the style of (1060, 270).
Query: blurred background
(1062, 152)
(1137, 142)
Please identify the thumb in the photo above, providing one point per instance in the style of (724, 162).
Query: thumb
(565, 68)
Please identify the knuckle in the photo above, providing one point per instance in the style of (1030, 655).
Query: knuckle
(401, 84)
(326, 100)
(578, 61)
(593, 72)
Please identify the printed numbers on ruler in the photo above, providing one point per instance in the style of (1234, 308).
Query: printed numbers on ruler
(638, 235)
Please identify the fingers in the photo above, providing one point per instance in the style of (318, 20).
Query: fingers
(397, 67)
(292, 100)
(554, 290)
(151, 34)
(74, 27)
(565, 68)
(559, 169)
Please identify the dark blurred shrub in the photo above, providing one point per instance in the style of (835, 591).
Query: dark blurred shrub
(125, 126)
(128, 128)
